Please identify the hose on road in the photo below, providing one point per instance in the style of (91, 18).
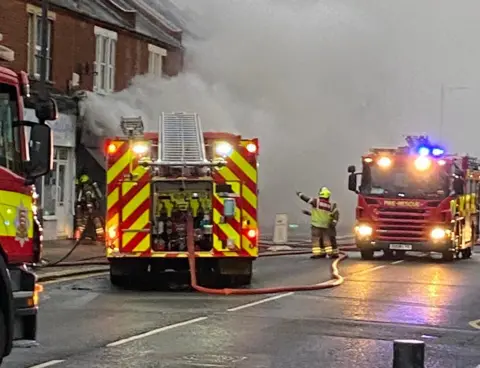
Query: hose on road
(336, 279)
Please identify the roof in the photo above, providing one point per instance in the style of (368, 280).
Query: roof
(102, 11)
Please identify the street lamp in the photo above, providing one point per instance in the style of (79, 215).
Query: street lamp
(444, 89)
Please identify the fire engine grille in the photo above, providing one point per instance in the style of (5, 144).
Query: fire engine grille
(402, 224)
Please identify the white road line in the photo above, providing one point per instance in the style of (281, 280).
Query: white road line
(475, 324)
(73, 278)
(47, 364)
(397, 262)
(156, 331)
(261, 301)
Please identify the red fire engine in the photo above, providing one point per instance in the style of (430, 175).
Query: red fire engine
(25, 154)
(416, 198)
(155, 180)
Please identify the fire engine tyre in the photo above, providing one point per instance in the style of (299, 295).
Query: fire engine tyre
(448, 256)
(3, 335)
(367, 254)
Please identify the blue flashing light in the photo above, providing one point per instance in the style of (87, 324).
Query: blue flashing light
(437, 152)
(424, 151)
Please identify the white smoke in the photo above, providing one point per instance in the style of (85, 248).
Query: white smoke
(318, 82)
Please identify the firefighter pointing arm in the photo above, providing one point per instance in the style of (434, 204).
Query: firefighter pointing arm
(324, 217)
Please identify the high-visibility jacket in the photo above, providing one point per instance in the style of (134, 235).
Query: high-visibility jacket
(321, 213)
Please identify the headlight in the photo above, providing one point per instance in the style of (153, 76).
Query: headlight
(364, 230)
(384, 162)
(223, 149)
(140, 148)
(438, 233)
(423, 163)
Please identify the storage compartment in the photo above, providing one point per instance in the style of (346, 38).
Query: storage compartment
(172, 201)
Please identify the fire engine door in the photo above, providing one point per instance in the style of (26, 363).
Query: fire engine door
(227, 229)
(135, 217)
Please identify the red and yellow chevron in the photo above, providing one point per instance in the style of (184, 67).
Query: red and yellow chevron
(128, 205)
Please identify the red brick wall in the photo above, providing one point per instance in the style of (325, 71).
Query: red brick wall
(14, 27)
(74, 45)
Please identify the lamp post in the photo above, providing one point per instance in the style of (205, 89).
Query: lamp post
(444, 89)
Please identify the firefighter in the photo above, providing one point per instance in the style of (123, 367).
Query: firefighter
(323, 218)
(87, 206)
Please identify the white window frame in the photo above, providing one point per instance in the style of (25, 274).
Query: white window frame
(33, 46)
(155, 53)
(104, 65)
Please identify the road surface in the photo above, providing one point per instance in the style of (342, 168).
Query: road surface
(88, 323)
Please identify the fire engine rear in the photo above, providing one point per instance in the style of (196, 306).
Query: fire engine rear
(416, 198)
(155, 180)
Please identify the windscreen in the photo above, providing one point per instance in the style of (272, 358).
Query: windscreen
(10, 154)
(404, 180)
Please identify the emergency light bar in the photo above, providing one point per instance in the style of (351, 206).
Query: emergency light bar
(132, 127)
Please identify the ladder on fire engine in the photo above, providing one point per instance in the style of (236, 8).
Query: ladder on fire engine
(181, 139)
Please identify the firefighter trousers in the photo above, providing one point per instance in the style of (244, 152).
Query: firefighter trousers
(324, 242)
(82, 220)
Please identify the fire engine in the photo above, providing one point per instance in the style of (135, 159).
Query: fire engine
(416, 198)
(23, 158)
(154, 180)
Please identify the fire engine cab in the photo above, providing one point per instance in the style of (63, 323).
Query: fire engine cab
(416, 198)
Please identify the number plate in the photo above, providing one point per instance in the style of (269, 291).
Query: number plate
(401, 246)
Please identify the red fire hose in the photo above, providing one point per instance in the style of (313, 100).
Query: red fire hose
(336, 279)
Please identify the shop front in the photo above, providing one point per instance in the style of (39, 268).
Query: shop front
(57, 192)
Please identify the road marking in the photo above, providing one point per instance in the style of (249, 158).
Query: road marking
(73, 278)
(156, 331)
(475, 324)
(397, 262)
(261, 301)
(47, 364)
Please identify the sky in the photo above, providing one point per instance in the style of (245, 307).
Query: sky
(319, 83)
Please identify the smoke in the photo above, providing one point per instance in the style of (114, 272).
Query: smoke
(318, 82)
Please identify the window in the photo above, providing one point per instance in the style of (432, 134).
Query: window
(105, 60)
(10, 153)
(54, 183)
(35, 42)
(155, 59)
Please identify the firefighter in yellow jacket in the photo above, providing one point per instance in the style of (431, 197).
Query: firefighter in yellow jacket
(324, 217)
(87, 207)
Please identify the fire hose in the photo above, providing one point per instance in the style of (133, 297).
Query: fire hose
(336, 279)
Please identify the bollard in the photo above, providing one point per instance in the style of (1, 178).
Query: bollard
(408, 354)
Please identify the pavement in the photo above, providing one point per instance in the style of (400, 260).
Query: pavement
(85, 322)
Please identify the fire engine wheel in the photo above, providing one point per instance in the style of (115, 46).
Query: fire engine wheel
(448, 256)
(117, 280)
(367, 254)
(3, 335)
(466, 253)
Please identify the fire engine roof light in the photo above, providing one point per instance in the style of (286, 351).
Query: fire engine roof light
(437, 151)
(424, 151)
(140, 148)
(223, 149)
(423, 163)
(132, 127)
(112, 148)
(251, 147)
(384, 161)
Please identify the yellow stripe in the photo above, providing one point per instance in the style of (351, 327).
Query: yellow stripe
(227, 229)
(135, 202)
(250, 197)
(118, 166)
(144, 245)
(112, 198)
(138, 173)
(141, 222)
(246, 245)
(113, 221)
(244, 165)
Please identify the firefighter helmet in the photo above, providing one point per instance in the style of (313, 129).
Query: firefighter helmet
(324, 193)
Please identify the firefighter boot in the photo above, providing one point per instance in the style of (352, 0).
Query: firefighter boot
(99, 230)
(318, 250)
(80, 223)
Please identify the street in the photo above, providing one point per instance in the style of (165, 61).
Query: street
(88, 323)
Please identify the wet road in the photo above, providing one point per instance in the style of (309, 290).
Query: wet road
(87, 323)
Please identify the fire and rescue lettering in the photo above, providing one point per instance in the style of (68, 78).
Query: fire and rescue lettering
(402, 203)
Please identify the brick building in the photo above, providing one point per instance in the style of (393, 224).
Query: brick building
(93, 45)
